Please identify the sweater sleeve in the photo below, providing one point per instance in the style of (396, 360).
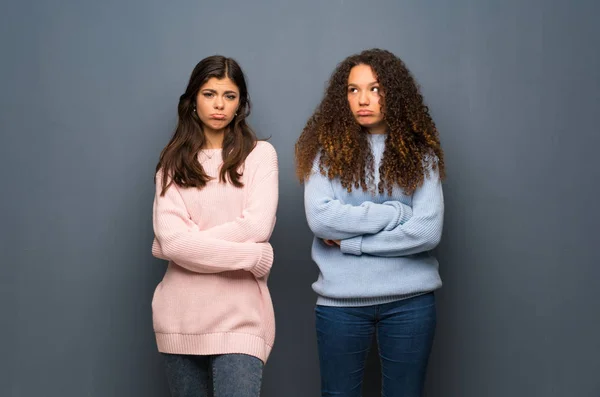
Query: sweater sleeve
(422, 232)
(182, 242)
(329, 218)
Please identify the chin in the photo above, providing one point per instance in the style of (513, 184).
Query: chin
(371, 125)
(368, 125)
(365, 124)
(219, 126)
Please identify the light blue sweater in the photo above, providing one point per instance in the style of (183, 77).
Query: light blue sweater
(384, 254)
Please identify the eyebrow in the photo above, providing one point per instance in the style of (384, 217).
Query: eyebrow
(215, 92)
(356, 85)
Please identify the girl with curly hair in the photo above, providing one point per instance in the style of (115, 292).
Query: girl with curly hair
(214, 212)
(371, 163)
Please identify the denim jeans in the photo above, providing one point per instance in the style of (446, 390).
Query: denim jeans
(225, 375)
(404, 331)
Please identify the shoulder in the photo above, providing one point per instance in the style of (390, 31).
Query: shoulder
(263, 154)
(160, 175)
(316, 164)
(430, 162)
(431, 171)
(264, 148)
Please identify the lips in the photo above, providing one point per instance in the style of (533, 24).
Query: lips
(217, 116)
(364, 113)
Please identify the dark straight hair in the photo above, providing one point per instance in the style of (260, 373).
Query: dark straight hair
(178, 160)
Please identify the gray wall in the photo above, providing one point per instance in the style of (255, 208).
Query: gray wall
(88, 99)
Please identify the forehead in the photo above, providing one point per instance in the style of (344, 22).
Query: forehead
(224, 84)
(361, 74)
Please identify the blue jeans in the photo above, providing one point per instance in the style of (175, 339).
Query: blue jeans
(225, 375)
(404, 330)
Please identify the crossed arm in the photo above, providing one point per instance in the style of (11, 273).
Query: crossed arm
(388, 229)
(241, 244)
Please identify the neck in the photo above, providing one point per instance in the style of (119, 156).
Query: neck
(214, 139)
(378, 130)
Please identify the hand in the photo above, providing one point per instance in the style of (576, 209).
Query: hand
(331, 243)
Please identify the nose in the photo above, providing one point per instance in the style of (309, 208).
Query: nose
(218, 103)
(363, 98)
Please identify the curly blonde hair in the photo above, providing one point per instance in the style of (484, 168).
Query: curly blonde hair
(412, 146)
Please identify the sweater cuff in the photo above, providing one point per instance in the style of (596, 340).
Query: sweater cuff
(352, 246)
(406, 214)
(263, 266)
(402, 213)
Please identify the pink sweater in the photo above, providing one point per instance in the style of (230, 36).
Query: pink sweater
(214, 298)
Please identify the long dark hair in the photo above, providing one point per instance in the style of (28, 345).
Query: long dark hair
(178, 160)
(411, 148)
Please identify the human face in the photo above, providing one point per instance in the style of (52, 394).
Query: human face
(364, 93)
(216, 104)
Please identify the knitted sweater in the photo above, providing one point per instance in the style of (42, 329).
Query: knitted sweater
(385, 239)
(214, 298)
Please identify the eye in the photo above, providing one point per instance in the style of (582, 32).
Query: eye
(352, 90)
(231, 97)
(375, 89)
(207, 94)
